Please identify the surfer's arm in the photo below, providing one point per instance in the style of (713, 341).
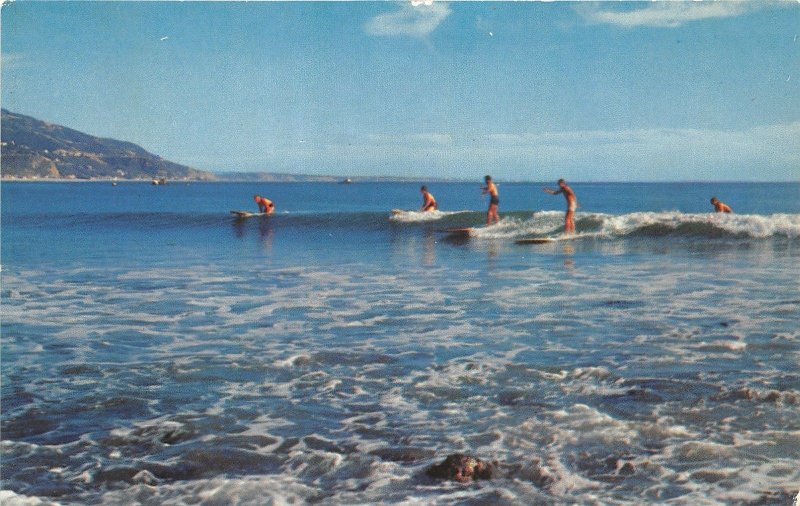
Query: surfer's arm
(552, 192)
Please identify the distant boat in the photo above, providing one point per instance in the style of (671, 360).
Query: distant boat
(347, 181)
(161, 181)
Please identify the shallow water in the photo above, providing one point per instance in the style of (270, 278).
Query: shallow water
(154, 350)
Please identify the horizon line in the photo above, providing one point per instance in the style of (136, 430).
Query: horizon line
(371, 179)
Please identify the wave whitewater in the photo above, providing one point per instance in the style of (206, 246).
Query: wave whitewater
(513, 225)
(649, 224)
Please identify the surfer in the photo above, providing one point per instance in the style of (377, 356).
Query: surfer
(572, 204)
(720, 207)
(264, 205)
(494, 200)
(428, 202)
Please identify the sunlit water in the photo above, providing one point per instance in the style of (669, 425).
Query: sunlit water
(155, 350)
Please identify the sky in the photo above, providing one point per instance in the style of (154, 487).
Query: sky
(607, 91)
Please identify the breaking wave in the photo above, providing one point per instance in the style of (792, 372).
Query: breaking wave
(513, 225)
(649, 224)
(422, 216)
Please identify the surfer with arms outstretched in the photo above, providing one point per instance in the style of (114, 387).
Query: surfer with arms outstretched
(572, 204)
(494, 200)
(720, 207)
(264, 205)
(428, 202)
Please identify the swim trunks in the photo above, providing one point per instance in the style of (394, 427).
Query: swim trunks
(494, 200)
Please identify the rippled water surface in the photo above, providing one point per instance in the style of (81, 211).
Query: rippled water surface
(154, 350)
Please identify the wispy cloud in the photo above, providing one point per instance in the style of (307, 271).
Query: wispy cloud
(10, 61)
(760, 153)
(413, 19)
(411, 140)
(666, 14)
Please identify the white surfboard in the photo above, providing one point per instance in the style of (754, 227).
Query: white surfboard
(247, 214)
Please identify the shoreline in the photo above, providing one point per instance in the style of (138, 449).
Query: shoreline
(356, 180)
(98, 180)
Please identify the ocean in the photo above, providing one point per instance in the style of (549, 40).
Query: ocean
(157, 351)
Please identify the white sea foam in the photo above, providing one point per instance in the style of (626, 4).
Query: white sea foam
(787, 225)
(542, 223)
(263, 490)
(9, 498)
(595, 225)
(552, 376)
(293, 361)
(722, 345)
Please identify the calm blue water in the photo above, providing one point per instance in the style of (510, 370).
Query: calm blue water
(155, 350)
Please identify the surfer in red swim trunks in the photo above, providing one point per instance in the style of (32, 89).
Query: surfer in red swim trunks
(428, 202)
(720, 207)
(572, 204)
(494, 200)
(264, 205)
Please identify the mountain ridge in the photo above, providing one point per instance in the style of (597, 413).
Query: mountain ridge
(36, 149)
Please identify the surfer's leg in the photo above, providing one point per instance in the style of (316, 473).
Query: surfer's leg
(569, 222)
(491, 214)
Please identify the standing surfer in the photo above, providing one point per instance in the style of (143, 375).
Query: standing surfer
(572, 204)
(494, 200)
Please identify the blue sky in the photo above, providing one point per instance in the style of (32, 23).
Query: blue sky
(609, 91)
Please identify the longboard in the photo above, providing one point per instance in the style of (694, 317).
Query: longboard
(459, 232)
(415, 211)
(247, 214)
(535, 240)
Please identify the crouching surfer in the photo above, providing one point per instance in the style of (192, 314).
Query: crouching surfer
(428, 202)
(264, 205)
(720, 207)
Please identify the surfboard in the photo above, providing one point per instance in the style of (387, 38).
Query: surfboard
(419, 212)
(247, 214)
(535, 240)
(459, 232)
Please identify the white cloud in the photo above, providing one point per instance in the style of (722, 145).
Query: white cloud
(416, 19)
(667, 14)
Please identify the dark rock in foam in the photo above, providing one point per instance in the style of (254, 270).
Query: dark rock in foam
(461, 468)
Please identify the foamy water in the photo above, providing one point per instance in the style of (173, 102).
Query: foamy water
(649, 224)
(422, 216)
(654, 359)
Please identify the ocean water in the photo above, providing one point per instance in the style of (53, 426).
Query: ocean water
(157, 351)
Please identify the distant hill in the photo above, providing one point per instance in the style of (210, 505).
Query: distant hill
(276, 177)
(280, 177)
(36, 149)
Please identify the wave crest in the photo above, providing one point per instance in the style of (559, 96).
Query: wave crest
(421, 216)
(704, 225)
(648, 224)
